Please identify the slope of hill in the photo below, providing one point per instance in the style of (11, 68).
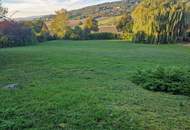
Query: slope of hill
(107, 21)
(103, 10)
(108, 9)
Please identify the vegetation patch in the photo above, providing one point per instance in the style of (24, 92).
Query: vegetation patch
(173, 80)
(103, 36)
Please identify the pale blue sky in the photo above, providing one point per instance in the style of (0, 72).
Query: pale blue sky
(27, 8)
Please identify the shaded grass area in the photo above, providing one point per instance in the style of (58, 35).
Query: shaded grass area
(85, 85)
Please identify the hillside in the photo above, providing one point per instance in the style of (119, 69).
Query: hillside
(98, 11)
(103, 10)
(107, 21)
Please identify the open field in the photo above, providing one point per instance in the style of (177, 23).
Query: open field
(109, 21)
(84, 85)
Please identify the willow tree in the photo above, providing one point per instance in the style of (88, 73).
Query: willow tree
(159, 21)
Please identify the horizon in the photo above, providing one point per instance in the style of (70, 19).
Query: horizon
(25, 8)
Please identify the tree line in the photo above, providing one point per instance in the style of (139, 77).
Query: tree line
(21, 33)
(157, 21)
(151, 21)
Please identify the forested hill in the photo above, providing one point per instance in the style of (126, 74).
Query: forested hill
(101, 10)
(104, 10)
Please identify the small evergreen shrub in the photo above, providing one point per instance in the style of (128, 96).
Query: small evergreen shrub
(173, 80)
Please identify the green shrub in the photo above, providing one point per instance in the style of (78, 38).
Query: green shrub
(15, 34)
(127, 36)
(173, 80)
(3, 41)
(103, 36)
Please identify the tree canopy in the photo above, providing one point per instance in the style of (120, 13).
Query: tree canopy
(59, 23)
(91, 24)
(159, 21)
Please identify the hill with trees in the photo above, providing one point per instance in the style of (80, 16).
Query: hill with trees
(103, 10)
(108, 9)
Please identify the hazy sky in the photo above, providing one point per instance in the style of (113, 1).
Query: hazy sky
(27, 8)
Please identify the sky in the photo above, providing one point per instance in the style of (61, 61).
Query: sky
(26, 8)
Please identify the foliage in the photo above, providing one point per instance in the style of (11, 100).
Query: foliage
(85, 85)
(3, 41)
(159, 21)
(125, 24)
(127, 36)
(77, 33)
(15, 34)
(59, 24)
(174, 80)
(40, 29)
(91, 24)
(103, 36)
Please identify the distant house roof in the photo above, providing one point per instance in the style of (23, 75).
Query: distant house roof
(109, 29)
(73, 23)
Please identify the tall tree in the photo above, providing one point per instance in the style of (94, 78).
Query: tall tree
(159, 21)
(59, 23)
(91, 24)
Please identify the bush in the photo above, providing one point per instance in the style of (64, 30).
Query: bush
(173, 80)
(127, 36)
(3, 41)
(15, 34)
(103, 36)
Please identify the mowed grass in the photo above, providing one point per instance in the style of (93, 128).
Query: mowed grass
(109, 21)
(84, 85)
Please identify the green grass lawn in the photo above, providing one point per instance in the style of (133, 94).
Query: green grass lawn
(84, 85)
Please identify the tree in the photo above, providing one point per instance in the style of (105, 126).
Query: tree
(39, 28)
(159, 21)
(3, 11)
(77, 33)
(91, 24)
(59, 24)
(125, 24)
(15, 34)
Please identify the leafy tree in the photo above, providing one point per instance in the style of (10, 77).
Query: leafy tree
(15, 34)
(59, 23)
(77, 33)
(91, 24)
(159, 21)
(39, 28)
(125, 24)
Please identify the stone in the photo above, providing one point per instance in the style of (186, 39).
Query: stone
(11, 86)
